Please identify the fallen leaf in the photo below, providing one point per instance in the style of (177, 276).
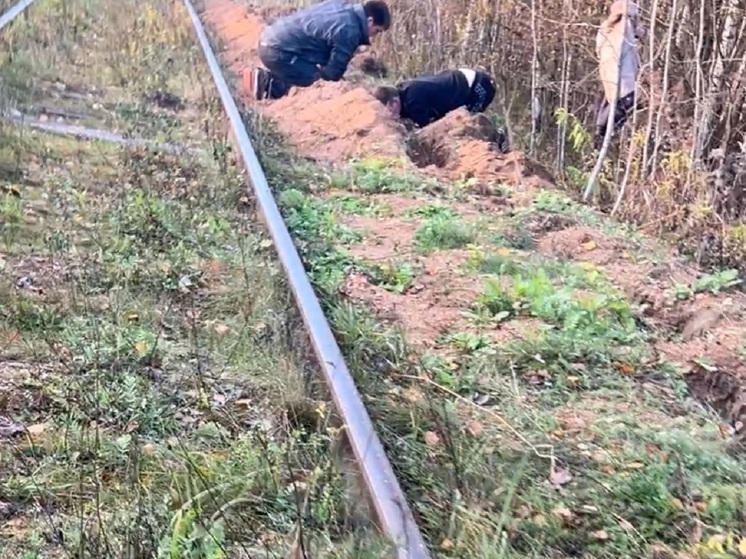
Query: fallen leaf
(141, 348)
(599, 456)
(132, 316)
(215, 266)
(220, 328)
(431, 438)
(149, 449)
(590, 245)
(564, 513)
(601, 535)
(559, 477)
(625, 368)
(412, 395)
(132, 426)
(37, 429)
(475, 428)
(503, 252)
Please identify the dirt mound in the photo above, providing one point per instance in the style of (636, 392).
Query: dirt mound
(336, 121)
(463, 146)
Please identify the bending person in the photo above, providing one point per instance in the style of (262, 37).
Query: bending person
(313, 44)
(619, 63)
(425, 99)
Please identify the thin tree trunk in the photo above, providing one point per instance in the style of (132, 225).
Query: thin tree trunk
(712, 99)
(664, 92)
(534, 75)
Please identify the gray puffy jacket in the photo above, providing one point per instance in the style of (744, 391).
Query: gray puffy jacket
(327, 33)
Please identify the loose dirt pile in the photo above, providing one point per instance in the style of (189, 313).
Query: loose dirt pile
(463, 145)
(336, 121)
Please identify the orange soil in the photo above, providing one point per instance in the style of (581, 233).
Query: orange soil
(334, 121)
(460, 145)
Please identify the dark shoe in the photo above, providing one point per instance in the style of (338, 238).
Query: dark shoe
(598, 137)
(258, 79)
(501, 139)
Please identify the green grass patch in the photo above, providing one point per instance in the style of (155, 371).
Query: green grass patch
(444, 232)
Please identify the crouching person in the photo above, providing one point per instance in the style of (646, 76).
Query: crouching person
(313, 44)
(426, 99)
(619, 63)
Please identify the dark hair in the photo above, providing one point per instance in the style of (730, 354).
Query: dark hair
(386, 93)
(379, 12)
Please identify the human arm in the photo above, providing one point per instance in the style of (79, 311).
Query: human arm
(343, 49)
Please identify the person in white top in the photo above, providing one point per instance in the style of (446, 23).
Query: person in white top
(619, 63)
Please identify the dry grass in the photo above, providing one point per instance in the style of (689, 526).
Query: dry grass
(155, 401)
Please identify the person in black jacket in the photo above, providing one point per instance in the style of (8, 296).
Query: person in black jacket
(315, 43)
(429, 98)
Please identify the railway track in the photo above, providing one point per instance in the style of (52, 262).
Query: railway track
(393, 516)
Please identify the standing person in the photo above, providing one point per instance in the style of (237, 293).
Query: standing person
(425, 99)
(619, 63)
(313, 44)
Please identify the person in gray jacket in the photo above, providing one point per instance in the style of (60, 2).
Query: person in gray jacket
(313, 44)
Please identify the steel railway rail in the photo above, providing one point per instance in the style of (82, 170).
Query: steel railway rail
(393, 515)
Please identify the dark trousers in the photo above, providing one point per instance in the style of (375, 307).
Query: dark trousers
(286, 70)
(621, 112)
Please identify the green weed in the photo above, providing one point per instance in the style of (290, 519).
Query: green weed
(443, 233)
